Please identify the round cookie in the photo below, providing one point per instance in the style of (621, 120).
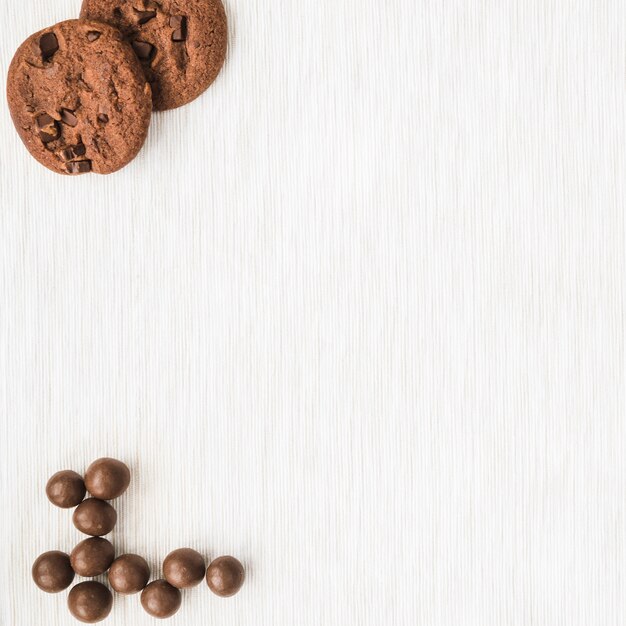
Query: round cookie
(79, 98)
(181, 43)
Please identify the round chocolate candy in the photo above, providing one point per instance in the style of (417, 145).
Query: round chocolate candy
(66, 489)
(94, 517)
(52, 571)
(92, 557)
(225, 576)
(89, 602)
(107, 478)
(129, 574)
(184, 568)
(160, 599)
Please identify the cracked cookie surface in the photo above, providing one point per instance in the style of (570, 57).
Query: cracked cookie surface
(79, 98)
(181, 43)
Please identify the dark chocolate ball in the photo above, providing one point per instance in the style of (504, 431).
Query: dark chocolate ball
(52, 571)
(94, 517)
(129, 574)
(160, 599)
(89, 602)
(66, 489)
(107, 478)
(225, 576)
(92, 557)
(184, 568)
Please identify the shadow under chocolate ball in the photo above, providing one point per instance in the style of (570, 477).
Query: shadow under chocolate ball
(92, 557)
(129, 573)
(184, 568)
(107, 478)
(90, 602)
(160, 599)
(66, 489)
(52, 571)
(94, 517)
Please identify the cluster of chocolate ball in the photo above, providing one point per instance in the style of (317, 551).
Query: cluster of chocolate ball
(91, 601)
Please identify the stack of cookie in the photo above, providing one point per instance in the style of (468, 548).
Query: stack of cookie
(91, 601)
(81, 92)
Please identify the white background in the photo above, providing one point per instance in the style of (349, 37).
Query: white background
(355, 316)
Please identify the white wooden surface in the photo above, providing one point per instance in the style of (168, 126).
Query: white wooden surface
(355, 316)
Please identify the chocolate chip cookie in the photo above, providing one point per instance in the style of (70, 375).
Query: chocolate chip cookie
(181, 43)
(79, 98)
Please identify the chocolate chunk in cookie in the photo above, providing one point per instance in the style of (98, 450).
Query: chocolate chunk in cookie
(78, 167)
(143, 17)
(62, 81)
(48, 45)
(72, 152)
(48, 128)
(68, 117)
(187, 40)
(179, 24)
(145, 51)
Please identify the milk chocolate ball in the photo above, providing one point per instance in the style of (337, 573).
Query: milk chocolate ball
(225, 576)
(94, 517)
(129, 574)
(160, 599)
(52, 571)
(107, 478)
(184, 568)
(92, 557)
(90, 602)
(66, 489)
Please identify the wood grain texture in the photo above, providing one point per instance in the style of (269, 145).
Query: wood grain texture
(355, 316)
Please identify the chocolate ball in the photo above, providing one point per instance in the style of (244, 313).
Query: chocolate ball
(225, 576)
(66, 489)
(89, 602)
(160, 599)
(129, 574)
(94, 517)
(107, 478)
(92, 557)
(184, 568)
(52, 571)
